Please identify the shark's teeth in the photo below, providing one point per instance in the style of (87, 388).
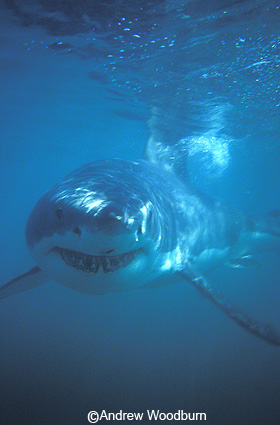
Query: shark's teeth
(92, 263)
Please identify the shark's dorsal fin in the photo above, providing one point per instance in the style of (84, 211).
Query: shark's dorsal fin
(171, 158)
(24, 282)
(167, 146)
(264, 331)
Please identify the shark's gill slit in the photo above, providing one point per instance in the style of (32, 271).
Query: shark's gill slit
(92, 263)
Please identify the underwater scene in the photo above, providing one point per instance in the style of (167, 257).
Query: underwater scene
(134, 266)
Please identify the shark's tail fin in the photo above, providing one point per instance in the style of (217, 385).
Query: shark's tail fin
(24, 282)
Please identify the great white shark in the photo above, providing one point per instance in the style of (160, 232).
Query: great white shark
(115, 225)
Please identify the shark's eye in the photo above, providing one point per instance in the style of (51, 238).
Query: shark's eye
(58, 213)
(77, 230)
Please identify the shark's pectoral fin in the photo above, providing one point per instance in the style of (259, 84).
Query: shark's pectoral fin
(261, 330)
(24, 282)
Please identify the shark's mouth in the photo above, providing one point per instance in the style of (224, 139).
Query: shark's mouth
(92, 263)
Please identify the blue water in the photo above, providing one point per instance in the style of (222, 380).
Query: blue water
(80, 81)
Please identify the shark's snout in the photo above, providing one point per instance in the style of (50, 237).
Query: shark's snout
(112, 220)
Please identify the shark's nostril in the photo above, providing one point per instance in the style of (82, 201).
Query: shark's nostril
(77, 230)
(59, 213)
